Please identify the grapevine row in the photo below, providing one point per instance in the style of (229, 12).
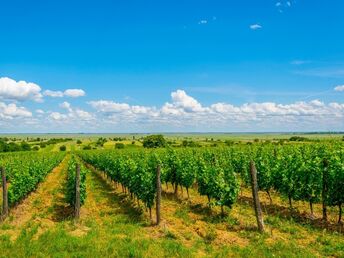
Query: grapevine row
(312, 172)
(70, 192)
(24, 171)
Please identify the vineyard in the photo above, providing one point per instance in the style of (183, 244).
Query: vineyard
(311, 173)
(197, 194)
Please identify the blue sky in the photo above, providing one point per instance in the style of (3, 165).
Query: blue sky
(275, 57)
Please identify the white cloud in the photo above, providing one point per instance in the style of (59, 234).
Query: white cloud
(74, 93)
(74, 115)
(40, 111)
(19, 90)
(182, 100)
(255, 27)
(66, 105)
(185, 112)
(57, 116)
(181, 113)
(283, 5)
(203, 22)
(109, 106)
(82, 115)
(53, 94)
(339, 88)
(10, 111)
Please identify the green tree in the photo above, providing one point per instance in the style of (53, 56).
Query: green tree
(154, 141)
(119, 146)
(25, 146)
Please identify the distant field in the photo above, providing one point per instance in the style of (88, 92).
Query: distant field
(181, 136)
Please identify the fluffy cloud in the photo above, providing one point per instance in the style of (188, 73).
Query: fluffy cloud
(66, 105)
(40, 111)
(11, 111)
(109, 106)
(186, 112)
(82, 115)
(53, 94)
(73, 117)
(255, 27)
(19, 90)
(339, 88)
(181, 100)
(57, 116)
(72, 93)
(182, 113)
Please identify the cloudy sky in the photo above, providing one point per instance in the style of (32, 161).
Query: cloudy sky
(171, 66)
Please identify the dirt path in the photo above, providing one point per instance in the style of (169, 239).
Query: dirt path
(37, 208)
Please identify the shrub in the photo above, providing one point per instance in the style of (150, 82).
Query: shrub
(63, 148)
(298, 139)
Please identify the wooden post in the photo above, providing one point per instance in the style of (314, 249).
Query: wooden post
(4, 194)
(158, 194)
(77, 193)
(324, 189)
(176, 189)
(257, 208)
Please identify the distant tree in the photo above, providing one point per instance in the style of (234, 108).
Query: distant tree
(2, 146)
(101, 141)
(25, 146)
(298, 139)
(186, 143)
(154, 141)
(12, 146)
(119, 146)
(63, 148)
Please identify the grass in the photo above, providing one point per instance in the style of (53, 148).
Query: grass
(112, 225)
